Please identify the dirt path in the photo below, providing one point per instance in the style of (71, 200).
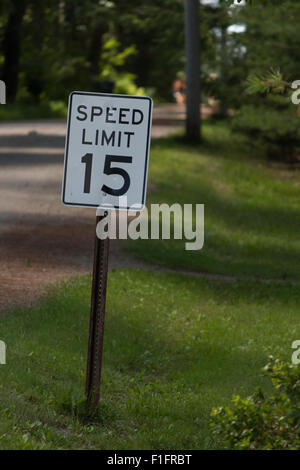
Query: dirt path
(41, 241)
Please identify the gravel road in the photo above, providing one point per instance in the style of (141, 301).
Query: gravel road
(41, 241)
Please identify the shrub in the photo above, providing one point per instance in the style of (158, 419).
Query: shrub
(273, 129)
(263, 423)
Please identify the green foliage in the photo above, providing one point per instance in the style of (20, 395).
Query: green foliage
(259, 422)
(270, 82)
(125, 84)
(156, 28)
(43, 110)
(76, 45)
(267, 115)
(275, 130)
(267, 42)
(113, 59)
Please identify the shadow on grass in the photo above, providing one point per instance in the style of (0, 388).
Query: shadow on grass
(250, 227)
(174, 347)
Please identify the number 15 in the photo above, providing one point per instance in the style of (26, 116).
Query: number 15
(108, 170)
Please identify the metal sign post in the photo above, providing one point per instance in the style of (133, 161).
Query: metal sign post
(106, 158)
(95, 346)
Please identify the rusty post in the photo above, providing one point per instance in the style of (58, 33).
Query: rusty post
(95, 346)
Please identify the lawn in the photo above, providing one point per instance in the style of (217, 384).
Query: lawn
(252, 216)
(175, 346)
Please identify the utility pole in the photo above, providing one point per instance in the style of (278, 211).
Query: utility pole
(192, 55)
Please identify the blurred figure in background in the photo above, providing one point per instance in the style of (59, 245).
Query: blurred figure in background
(179, 88)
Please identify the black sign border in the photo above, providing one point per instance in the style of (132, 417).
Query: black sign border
(111, 95)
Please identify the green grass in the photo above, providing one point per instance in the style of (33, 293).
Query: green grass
(252, 216)
(47, 110)
(175, 346)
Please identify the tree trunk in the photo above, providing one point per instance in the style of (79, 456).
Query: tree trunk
(192, 53)
(223, 63)
(12, 49)
(95, 49)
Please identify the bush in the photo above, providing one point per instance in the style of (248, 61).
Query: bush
(273, 129)
(263, 423)
(23, 111)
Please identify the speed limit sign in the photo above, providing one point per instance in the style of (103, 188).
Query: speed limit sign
(107, 151)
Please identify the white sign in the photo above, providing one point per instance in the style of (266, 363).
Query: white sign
(107, 150)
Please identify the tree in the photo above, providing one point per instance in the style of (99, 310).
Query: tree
(12, 47)
(70, 44)
(156, 29)
(192, 51)
(269, 118)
